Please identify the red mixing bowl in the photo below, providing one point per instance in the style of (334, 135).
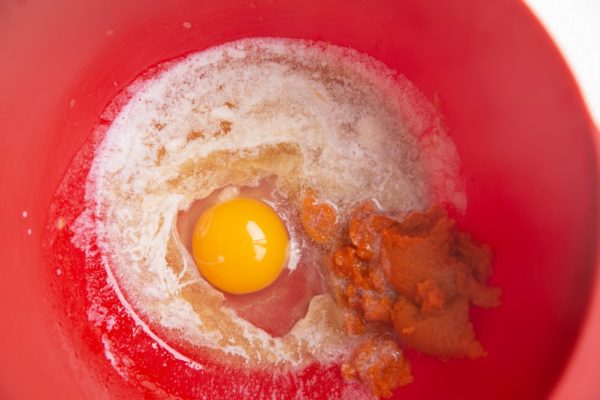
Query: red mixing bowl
(526, 142)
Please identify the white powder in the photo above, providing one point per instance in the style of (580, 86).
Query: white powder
(314, 115)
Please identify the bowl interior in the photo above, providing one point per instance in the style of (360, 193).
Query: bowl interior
(508, 99)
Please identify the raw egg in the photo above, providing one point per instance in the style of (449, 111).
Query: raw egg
(240, 245)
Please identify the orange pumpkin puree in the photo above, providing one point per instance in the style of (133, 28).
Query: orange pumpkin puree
(318, 219)
(404, 283)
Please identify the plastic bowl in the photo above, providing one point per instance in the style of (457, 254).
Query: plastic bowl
(511, 105)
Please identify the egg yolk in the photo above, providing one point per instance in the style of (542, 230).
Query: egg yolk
(240, 245)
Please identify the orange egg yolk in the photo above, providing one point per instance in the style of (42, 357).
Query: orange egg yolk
(240, 245)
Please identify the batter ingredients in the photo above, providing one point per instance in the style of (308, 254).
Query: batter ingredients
(265, 120)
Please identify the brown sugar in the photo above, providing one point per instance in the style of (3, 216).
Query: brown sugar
(404, 284)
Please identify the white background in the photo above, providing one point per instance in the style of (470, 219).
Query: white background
(575, 27)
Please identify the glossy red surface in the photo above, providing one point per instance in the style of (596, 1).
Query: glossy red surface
(524, 136)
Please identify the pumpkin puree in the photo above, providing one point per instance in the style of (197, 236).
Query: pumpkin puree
(404, 283)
